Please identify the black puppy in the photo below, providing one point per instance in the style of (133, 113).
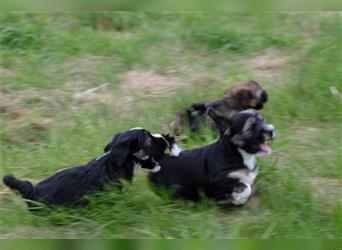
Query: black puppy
(68, 186)
(226, 169)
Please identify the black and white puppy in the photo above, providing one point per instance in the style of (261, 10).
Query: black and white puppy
(226, 169)
(69, 186)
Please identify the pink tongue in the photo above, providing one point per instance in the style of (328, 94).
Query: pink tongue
(265, 148)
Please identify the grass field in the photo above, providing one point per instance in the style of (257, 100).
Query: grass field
(147, 66)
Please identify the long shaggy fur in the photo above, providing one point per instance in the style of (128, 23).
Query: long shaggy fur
(69, 186)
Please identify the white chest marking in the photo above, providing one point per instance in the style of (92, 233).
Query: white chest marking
(249, 160)
(246, 176)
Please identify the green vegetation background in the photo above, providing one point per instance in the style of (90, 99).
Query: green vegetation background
(147, 66)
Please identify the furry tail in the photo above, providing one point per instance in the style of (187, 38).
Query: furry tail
(25, 188)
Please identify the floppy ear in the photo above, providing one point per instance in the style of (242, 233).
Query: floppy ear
(125, 144)
(170, 139)
(222, 122)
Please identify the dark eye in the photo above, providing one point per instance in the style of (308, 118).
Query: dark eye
(253, 126)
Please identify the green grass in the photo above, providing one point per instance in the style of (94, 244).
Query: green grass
(47, 58)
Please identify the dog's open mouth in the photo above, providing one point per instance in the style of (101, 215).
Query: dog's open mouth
(264, 148)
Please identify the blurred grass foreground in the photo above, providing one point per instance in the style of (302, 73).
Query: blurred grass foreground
(71, 81)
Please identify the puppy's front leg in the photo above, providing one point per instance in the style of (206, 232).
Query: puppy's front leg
(241, 193)
(243, 190)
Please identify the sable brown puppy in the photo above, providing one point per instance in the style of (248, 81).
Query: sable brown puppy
(239, 97)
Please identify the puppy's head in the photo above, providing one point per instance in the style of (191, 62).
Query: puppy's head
(247, 95)
(141, 146)
(246, 130)
(172, 145)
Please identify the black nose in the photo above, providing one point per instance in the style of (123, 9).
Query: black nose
(264, 97)
(270, 134)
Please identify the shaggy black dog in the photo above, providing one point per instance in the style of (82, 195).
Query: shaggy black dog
(226, 169)
(239, 97)
(69, 186)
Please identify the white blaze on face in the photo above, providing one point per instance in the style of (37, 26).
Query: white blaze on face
(270, 127)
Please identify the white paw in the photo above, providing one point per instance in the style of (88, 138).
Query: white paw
(240, 198)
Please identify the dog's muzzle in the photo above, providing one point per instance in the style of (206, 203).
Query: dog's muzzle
(269, 131)
(263, 97)
(262, 100)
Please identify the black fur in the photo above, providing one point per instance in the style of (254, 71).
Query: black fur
(206, 169)
(69, 186)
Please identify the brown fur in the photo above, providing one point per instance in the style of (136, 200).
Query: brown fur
(239, 97)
